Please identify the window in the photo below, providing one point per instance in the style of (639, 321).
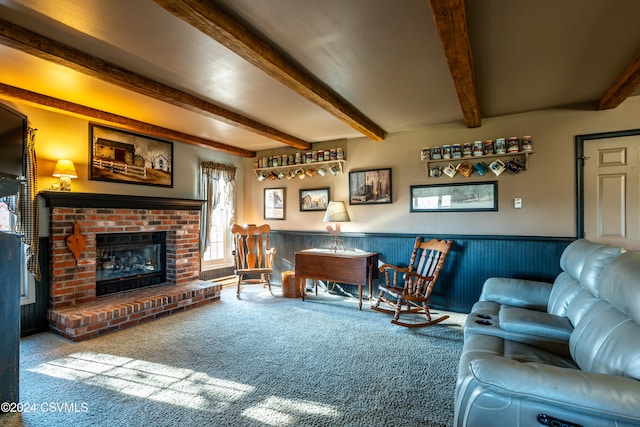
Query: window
(27, 281)
(218, 189)
(217, 252)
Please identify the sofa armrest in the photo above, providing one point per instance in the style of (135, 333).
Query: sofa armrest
(606, 396)
(517, 292)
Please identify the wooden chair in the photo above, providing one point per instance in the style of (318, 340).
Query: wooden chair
(253, 256)
(411, 286)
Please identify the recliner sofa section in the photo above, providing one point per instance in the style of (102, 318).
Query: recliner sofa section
(538, 313)
(502, 381)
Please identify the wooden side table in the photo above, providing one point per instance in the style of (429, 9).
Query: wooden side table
(351, 267)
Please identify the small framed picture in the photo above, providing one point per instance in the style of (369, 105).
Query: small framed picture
(314, 200)
(370, 187)
(274, 203)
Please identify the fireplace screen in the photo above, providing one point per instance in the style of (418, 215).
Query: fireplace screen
(127, 261)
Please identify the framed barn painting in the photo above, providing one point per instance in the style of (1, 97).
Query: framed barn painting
(128, 157)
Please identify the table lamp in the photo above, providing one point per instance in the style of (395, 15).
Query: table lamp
(336, 212)
(65, 170)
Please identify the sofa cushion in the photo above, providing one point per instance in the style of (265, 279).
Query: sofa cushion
(535, 323)
(565, 288)
(607, 341)
(517, 292)
(573, 257)
(594, 264)
(620, 284)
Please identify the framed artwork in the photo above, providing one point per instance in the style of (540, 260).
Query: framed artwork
(127, 157)
(314, 200)
(476, 196)
(274, 203)
(370, 187)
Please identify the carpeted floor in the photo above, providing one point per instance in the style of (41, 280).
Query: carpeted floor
(262, 360)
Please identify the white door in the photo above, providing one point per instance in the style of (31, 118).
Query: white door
(612, 191)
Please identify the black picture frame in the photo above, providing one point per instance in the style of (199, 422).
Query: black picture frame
(369, 187)
(314, 199)
(459, 197)
(274, 203)
(127, 157)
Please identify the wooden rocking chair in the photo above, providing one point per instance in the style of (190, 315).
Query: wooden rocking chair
(411, 286)
(253, 256)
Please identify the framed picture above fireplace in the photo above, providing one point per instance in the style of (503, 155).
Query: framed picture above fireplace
(122, 156)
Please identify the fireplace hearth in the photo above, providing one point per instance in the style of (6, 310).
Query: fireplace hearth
(126, 261)
(141, 261)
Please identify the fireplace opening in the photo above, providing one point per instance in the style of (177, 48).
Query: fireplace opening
(126, 261)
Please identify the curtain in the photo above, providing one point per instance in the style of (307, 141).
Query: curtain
(214, 192)
(28, 207)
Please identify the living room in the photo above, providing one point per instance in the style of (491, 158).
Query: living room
(535, 212)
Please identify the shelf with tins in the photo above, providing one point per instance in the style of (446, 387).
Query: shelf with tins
(487, 158)
(330, 167)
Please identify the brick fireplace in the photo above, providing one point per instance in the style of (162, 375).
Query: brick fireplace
(74, 309)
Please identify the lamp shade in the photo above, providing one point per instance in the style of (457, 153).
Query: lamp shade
(65, 168)
(336, 212)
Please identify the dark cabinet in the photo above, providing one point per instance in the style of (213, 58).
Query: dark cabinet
(10, 268)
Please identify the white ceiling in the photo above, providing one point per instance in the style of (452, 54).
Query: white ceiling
(383, 56)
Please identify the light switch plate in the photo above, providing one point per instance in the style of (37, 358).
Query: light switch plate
(517, 203)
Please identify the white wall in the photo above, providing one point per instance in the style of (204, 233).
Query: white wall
(547, 188)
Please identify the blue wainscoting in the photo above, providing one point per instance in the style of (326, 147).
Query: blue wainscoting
(471, 261)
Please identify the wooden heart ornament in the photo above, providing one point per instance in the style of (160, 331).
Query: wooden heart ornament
(76, 242)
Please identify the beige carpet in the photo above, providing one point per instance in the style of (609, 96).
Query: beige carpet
(262, 360)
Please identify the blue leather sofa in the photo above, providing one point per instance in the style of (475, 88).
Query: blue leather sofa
(559, 354)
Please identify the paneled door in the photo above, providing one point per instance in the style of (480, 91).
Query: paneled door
(612, 191)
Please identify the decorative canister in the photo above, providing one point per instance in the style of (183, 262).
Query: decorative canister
(513, 145)
(327, 155)
(456, 151)
(478, 148)
(488, 146)
(298, 158)
(467, 149)
(526, 143)
(309, 156)
(292, 159)
(500, 146)
(334, 154)
(436, 153)
(285, 160)
(320, 155)
(340, 153)
(314, 156)
(425, 154)
(435, 171)
(465, 168)
(446, 151)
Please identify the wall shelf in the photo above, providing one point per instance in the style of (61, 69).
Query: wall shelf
(487, 158)
(304, 166)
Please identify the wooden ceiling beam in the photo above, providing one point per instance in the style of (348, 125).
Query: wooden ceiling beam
(624, 86)
(34, 44)
(450, 19)
(12, 92)
(206, 17)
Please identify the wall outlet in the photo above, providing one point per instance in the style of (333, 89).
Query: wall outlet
(517, 203)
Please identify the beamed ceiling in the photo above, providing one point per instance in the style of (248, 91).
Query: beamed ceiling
(241, 76)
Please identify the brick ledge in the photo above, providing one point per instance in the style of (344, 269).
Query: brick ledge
(118, 311)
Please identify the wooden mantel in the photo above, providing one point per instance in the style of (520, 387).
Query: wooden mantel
(95, 200)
